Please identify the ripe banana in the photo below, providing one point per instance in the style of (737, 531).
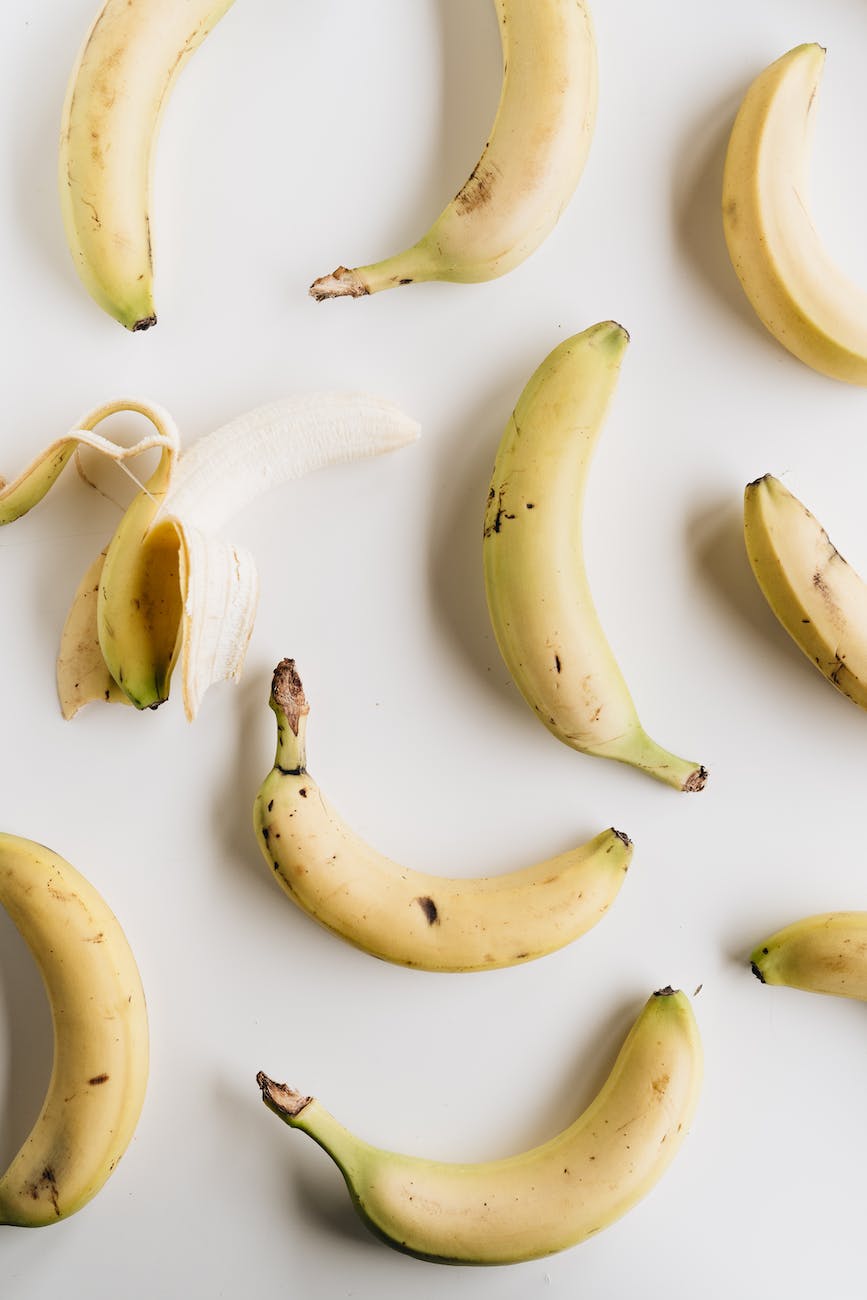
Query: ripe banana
(167, 587)
(819, 599)
(119, 86)
(822, 954)
(793, 285)
(539, 599)
(100, 1071)
(548, 1198)
(404, 916)
(530, 166)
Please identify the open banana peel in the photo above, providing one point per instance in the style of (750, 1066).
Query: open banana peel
(167, 589)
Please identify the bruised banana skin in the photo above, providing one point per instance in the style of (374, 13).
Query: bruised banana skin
(548, 1198)
(100, 1070)
(430, 922)
(117, 91)
(796, 290)
(819, 598)
(821, 954)
(538, 595)
(530, 166)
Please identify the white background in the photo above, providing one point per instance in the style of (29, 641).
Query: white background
(298, 137)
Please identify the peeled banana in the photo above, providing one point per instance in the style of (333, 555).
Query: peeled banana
(797, 291)
(529, 169)
(819, 599)
(822, 954)
(117, 91)
(100, 1071)
(538, 595)
(548, 1198)
(167, 588)
(404, 916)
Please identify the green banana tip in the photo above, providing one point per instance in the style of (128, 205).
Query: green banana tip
(279, 1097)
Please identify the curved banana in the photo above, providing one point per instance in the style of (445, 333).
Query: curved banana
(799, 294)
(819, 599)
(530, 167)
(100, 1071)
(118, 89)
(548, 1198)
(405, 916)
(822, 954)
(539, 599)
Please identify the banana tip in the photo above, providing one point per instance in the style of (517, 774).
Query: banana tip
(342, 283)
(287, 693)
(697, 780)
(145, 323)
(757, 971)
(280, 1098)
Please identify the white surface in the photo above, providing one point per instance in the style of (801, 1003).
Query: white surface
(300, 136)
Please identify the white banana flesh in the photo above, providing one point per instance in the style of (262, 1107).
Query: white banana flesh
(796, 289)
(117, 91)
(100, 1069)
(529, 169)
(546, 1199)
(821, 954)
(819, 598)
(409, 917)
(168, 589)
(539, 597)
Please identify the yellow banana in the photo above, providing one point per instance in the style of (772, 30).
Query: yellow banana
(819, 599)
(531, 164)
(797, 291)
(822, 954)
(539, 598)
(100, 1071)
(117, 91)
(408, 917)
(546, 1199)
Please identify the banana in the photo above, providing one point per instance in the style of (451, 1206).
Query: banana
(797, 291)
(822, 954)
(529, 169)
(546, 1199)
(117, 91)
(167, 588)
(407, 917)
(100, 1070)
(819, 599)
(538, 595)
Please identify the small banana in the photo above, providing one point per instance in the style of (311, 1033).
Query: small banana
(822, 954)
(539, 598)
(100, 1071)
(529, 169)
(819, 599)
(797, 291)
(167, 588)
(117, 91)
(404, 916)
(546, 1199)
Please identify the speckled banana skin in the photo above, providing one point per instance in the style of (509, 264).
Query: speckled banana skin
(545, 1199)
(100, 1070)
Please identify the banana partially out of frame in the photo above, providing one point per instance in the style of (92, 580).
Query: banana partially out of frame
(168, 588)
(432, 922)
(100, 1070)
(819, 598)
(822, 954)
(529, 169)
(548, 1198)
(797, 291)
(538, 594)
(119, 86)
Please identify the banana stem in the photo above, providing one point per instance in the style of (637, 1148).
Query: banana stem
(291, 708)
(307, 1114)
(643, 752)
